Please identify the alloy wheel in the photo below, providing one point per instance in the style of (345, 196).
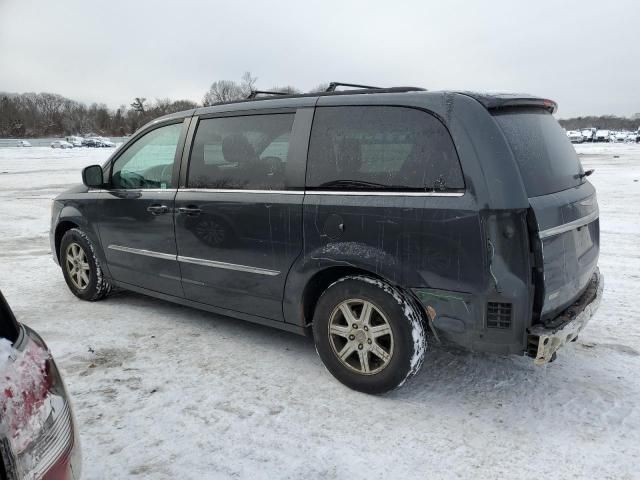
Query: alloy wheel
(361, 336)
(77, 266)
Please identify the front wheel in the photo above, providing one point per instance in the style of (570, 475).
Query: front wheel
(81, 268)
(369, 335)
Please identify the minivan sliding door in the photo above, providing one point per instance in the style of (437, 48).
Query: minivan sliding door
(239, 217)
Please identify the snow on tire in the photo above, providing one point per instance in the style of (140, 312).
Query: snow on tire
(369, 335)
(81, 268)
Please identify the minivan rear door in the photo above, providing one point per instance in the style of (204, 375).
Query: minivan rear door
(239, 209)
(562, 200)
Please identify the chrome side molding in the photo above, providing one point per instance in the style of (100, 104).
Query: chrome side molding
(565, 227)
(346, 193)
(384, 193)
(227, 266)
(139, 251)
(195, 261)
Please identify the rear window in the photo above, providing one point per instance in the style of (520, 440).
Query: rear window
(547, 160)
(373, 148)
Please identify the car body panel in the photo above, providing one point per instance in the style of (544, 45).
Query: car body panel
(128, 230)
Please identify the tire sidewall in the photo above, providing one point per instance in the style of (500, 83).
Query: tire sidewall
(386, 299)
(92, 291)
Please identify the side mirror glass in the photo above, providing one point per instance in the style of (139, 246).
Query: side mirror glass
(92, 176)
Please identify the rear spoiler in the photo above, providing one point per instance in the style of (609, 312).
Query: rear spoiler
(499, 101)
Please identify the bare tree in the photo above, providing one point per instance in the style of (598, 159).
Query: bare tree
(162, 106)
(138, 104)
(228, 90)
(321, 87)
(288, 89)
(180, 105)
(222, 91)
(247, 83)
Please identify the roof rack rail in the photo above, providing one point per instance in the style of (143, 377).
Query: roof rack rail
(253, 97)
(333, 85)
(255, 93)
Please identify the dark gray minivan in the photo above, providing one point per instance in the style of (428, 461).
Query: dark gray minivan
(366, 216)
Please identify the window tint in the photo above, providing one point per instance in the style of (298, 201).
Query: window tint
(370, 148)
(547, 160)
(247, 152)
(148, 163)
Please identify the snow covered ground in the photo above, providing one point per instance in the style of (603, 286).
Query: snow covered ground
(163, 391)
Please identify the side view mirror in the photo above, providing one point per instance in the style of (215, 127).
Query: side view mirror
(92, 176)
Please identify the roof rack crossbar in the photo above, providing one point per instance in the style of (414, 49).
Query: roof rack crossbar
(255, 93)
(333, 85)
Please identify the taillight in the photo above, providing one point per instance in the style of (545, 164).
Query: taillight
(35, 417)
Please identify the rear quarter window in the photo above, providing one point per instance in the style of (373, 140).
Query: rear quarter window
(370, 148)
(547, 161)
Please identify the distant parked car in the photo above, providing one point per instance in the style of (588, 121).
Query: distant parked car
(98, 142)
(61, 144)
(620, 136)
(23, 143)
(75, 141)
(105, 142)
(38, 438)
(89, 142)
(603, 136)
(575, 136)
(632, 137)
(588, 134)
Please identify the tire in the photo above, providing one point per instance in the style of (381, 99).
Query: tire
(389, 311)
(77, 255)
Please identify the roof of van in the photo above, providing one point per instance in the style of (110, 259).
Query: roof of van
(491, 101)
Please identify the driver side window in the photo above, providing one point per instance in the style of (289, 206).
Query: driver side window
(148, 163)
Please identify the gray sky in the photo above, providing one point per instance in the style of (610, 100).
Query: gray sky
(584, 54)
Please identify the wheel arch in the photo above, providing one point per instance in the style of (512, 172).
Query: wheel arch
(322, 279)
(63, 227)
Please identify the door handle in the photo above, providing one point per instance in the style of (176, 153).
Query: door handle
(191, 211)
(157, 209)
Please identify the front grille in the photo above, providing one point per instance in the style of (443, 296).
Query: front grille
(498, 315)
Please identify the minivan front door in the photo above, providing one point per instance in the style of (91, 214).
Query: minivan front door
(239, 217)
(136, 223)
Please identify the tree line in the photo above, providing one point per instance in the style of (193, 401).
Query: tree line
(604, 122)
(49, 114)
(28, 115)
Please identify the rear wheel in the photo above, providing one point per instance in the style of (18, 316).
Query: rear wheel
(368, 334)
(81, 268)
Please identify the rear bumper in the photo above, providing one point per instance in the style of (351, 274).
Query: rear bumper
(544, 340)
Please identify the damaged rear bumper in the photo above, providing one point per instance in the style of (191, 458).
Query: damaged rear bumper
(544, 340)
